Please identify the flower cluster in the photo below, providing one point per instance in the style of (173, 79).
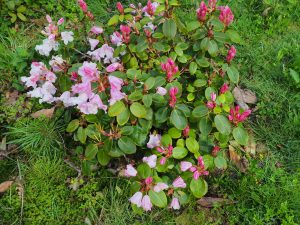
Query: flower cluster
(148, 87)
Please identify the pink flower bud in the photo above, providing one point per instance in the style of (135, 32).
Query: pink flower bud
(148, 180)
(201, 12)
(60, 21)
(213, 96)
(212, 5)
(83, 5)
(113, 67)
(184, 166)
(120, 7)
(224, 88)
(163, 160)
(231, 54)
(226, 16)
(175, 204)
(172, 92)
(170, 68)
(130, 171)
(186, 131)
(48, 19)
(146, 203)
(179, 183)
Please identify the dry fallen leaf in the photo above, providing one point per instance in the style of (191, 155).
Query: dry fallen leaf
(210, 202)
(251, 146)
(43, 112)
(244, 96)
(5, 185)
(11, 97)
(240, 162)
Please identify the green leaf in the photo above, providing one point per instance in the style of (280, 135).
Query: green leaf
(234, 36)
(162, 115)
(192, 145)
(138, 110)
(174, 133)
(199, 83)
(72, 126)
(11, 5)
(116, 109)
(205, 126)
(233, 74)
(193, 68)
(21, 9)
(123, 117)
(222, 124)
(135, 96)
(192, 25)
(295, 75)
(240, 135)
(133, 74)
(144, 170)
(81, 134)
(150, 82)
(158, 199)
(202, 62)
(147, 100)
(158, 35)
(178, 50)
(163, 47)
(178, 119)
(212, 48)
(166, 140)
(198, 187)
(21, 16)
(127, 145)
(179, 152)
(91, 151)
(113, 21)
(220, 162)
(200, 111)
(182, 59)
(204, 44)
(170, 28)
(13, 17)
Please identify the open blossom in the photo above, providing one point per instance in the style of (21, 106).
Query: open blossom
(115, 89)
(93, 43)
(125, 30)
(179, 183)
(83, 5)
(57, 63)
(235, 116)
(166, 152)
(130, 171)
(51, 31)
(161, 91)
(160, 186)
(170, 68)
(67, 36)
(113, 67)
(116, 38)
(197, 170)
(146, 203)
(151, 160)
(184, 166)
(46, 47)
(150, 8)
(175, 203)
(231, 54)
(105, 52)
(212, 5)
(88, 71)
(201, 12)
(97, 30)
(154, 141)
(84, 87)
(137, 199)
(172, 92)
(224, 88)
(120, 7)
(92, 106)
(44, 93)
(226, 16)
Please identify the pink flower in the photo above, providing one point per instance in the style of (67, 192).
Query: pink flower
(151, 160)
(224, 88)
(166, 152)
(97, 30)
(115, 89)
(150, 9)
(184, 166)
(130, 171)
(116, 38)
(179, 183)
(231, 54)
(175, 203)
(154, 141)
(93, 43)
(57, 63)
(146, 203)
(209, 104)
(96, 100)
(83, 5)
(125, 33)
(163, 160)
(213, 96)
(113, 67)
(148, 181)
(235, 115)
(120, 7)
(60, 21)
(172, 92)
(170, 68)
(226, 16)
(201, 12)
(161, 91)
(186, 131)
(137, 199)
(48, 18)
(84, 87)
(105, 52)
(160, 186)
(212, 5)
(89, 72)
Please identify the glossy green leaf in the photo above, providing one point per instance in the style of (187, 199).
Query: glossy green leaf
(144, 170)
(81, 135)
(240, 135)
(198, 187)
(158, 199)
(222, 124)
(179, 152)
(138, 110)
(116, 109)
(169, 28)
(178, 119)
(91, 151)
(72, 126)
(127, 145)
(192, 144)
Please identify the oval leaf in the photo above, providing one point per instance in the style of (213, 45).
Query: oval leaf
(222, 124)
(198, 187)
(158, 199)
(240, 135)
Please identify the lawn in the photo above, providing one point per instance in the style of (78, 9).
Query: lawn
(47, 189)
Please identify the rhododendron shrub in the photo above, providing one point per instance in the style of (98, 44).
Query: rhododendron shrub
(149, 86)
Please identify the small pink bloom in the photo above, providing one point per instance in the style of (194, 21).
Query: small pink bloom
(161, 91)
(88, 71)
(224, 88)
(175, 204)
(154, 141)
(172, 92)
(163, 160)
(148, 180)
(74, 76)
(201, 12)
(186, 131)
(236, 117)
(93, 43)
(96, 100)
(115, 89)
(130, 171)
(60, 21)
(231, 54)
(151, 160)
(179, 183)
(97, 30)
(160, 186)
(137, 199)
(150, 9)
(113, 67)
(184, 166)
(125, 33)
(211, 105)
(226, 16)
(83, 5)
(120, 7)
(48, 19)
(170, 68)
(146, 203)
(84, 87)
(116, 38)
(213, 96)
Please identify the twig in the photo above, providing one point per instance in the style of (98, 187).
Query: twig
(73, 166)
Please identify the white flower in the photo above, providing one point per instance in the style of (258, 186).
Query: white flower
(154, 141)
(137, 199)
(160, 186)
(67, 36)
(161, 91)
(46, 47)
(151, 160)
(57, 63)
